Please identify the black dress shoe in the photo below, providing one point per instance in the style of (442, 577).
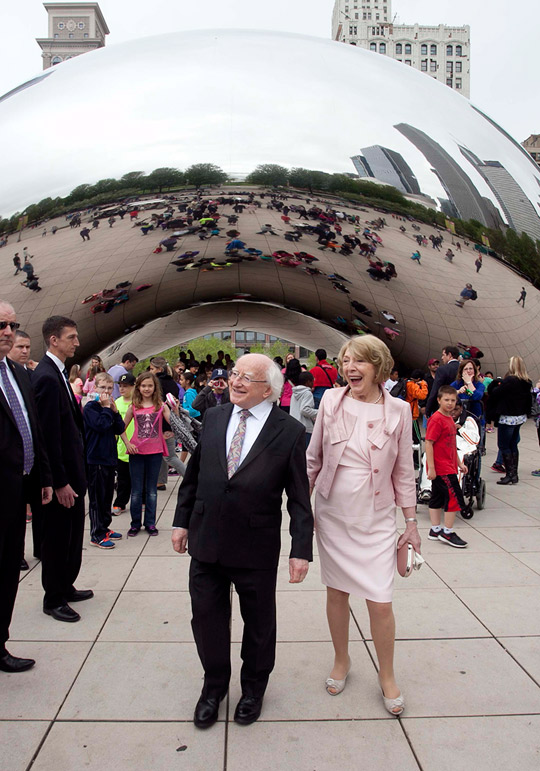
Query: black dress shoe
(248, 710)
(10, 663)
(78, 595)
(24, 565)
(62, 613)
(206, 711)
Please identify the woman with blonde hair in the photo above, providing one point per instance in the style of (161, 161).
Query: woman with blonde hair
(361, 464)
(511, 404)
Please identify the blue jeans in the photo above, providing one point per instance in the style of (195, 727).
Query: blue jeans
(318, 392)
(144, 471)
(508, 438)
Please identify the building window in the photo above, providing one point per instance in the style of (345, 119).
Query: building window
(433, 65)
(373, 46)
(433, 50)
(449, 50)
(382, 48)
(86, 34)
(81, 25)
(408, 48)
(56, 60)
(61, 25)
(459, 66)
(458, 84)
(449, 82)
(399, 49)
(71, 35)
(408, 61)
(459, 50)
(449, 66)
(377, 16)
(56, 34)
(423, 65)
(423, 49)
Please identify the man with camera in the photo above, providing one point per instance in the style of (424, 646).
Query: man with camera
(216, 392)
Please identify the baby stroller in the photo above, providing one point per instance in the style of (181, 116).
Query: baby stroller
(470, 441)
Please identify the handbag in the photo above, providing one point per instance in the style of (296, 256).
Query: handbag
(408, 560)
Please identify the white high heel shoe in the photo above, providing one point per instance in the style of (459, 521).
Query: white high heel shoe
(391, 705)
(338, 686)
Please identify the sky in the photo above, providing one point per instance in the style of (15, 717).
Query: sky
(505, 47)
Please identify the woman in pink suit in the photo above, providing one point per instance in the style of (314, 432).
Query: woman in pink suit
(361, 464)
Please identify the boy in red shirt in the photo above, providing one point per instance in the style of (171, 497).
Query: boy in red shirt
(442, 465)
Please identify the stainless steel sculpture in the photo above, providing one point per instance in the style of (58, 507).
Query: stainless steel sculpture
(239, 99)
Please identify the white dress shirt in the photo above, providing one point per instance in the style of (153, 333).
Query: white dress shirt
(17, 391)
(254, 426)
(61, 366)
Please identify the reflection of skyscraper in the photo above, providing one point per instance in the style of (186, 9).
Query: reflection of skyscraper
(362, 166)
(458, 185)
(517, 208)
(387, 166)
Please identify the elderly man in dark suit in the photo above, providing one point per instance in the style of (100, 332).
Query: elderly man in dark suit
(229, 508)
(24, 476)
(445, 375)
(62, 424)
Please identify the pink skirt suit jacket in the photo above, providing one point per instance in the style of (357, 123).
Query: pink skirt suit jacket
(360, 462)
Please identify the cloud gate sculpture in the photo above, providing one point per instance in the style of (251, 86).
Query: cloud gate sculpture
(239, 99)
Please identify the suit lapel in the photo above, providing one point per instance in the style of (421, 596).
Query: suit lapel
(223, 418)
(273, 426)
(69, 394)
(4, 402)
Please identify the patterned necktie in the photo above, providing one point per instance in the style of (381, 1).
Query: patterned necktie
(235, 450)
(18, 414)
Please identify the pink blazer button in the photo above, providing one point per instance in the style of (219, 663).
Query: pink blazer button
(377, 493)
(375, 470)
(370, 425)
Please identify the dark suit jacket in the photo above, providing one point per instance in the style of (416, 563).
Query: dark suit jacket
(445, 375)
(237, 521)
(11, 445)
(62, 423)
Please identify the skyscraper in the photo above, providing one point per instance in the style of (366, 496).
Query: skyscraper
(74, 29)
(442, 52)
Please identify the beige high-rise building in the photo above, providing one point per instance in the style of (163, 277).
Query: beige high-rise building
(442, 52)
(532, 145)
(74, 29)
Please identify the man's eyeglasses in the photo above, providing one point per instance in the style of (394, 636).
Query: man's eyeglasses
(247, 379)
(13, 324)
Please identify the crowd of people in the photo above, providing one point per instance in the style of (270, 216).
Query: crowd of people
(253, 429)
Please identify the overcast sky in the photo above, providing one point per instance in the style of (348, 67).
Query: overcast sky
(505, 46)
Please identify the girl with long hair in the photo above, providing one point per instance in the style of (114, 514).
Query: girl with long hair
(146, 449)
(470, 389)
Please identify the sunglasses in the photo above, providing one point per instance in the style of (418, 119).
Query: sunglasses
(14, 325)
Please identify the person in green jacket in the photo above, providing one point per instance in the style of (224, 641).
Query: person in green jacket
(123, 492)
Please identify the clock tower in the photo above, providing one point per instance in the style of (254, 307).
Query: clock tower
(74, 29)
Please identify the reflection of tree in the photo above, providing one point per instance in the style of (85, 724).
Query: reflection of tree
(269, 174)
(164, 177)
(205, 174)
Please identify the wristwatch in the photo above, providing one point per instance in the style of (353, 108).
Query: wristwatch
(411, 519)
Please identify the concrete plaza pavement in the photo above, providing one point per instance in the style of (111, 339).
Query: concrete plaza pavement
(117, 690)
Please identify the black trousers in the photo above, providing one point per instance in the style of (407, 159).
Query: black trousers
(12, 529)
(100, 495)
(123, 489)
(61, 550)
(210, 589)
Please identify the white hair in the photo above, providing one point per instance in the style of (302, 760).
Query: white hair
(5, 304)
(275, 380)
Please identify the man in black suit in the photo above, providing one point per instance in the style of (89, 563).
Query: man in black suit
(24, 476)
(445, 375)
(229, 504)
(62, 424)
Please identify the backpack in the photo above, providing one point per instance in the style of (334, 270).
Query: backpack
(474, 295)
(399, 391)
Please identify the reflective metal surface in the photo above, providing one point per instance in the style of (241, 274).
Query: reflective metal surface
(241, 98)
